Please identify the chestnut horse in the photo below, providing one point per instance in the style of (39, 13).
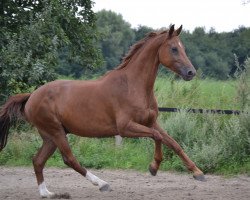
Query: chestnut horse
(122, 102)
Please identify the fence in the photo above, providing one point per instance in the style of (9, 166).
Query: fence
(118, 139)
(192, 110)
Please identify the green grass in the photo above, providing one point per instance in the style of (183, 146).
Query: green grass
(206, 94)
(217, 143)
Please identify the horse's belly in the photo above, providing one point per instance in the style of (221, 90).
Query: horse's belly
(91, 125)
(95, 130)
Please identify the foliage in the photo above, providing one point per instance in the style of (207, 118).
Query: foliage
(210, 141)
(209, 51)
(141, 32)
(243, 87)
(33, 33)
(116, 37)
(214, 52)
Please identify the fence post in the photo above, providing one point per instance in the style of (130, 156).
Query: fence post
(118, 140)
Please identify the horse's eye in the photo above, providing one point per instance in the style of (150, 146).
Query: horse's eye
(174, 50)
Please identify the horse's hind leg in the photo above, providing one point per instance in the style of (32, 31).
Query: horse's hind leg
(39, 160)
(69, 159)
(158, 157)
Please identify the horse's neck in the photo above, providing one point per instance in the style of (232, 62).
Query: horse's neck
(142, 69)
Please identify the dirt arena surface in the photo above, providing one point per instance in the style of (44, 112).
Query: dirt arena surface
(19, 184)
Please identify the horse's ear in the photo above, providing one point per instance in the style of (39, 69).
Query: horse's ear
(178, 31)
(171, 31)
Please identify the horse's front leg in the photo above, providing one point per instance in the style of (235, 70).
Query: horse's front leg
(158, 157)
(133, 129)
(172, 144)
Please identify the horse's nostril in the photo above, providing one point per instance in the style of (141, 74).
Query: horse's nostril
(190, 73)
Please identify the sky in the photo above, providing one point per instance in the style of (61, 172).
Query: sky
(222, 15)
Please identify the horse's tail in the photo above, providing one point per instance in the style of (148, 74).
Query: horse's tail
(10, 112)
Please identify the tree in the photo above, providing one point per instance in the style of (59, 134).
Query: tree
(208, 52)
(141, 32)
(239, 46)
(117, 36)
(34, 32)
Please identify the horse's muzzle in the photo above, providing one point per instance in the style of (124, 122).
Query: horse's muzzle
(187, 74)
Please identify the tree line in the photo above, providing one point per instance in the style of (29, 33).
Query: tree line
(211, 52)
(41, 39)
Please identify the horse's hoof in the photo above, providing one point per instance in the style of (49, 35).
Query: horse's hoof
(105, 188)
(200, 177)
(50, 195)
(152, 170)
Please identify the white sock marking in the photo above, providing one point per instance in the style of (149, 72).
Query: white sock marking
(95, 180)
(44, 192)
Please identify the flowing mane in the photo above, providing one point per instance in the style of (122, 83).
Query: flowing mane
(136, 47)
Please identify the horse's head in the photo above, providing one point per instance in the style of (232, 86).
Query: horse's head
(172, 55)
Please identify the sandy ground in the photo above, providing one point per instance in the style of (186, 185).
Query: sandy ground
(19, 183)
